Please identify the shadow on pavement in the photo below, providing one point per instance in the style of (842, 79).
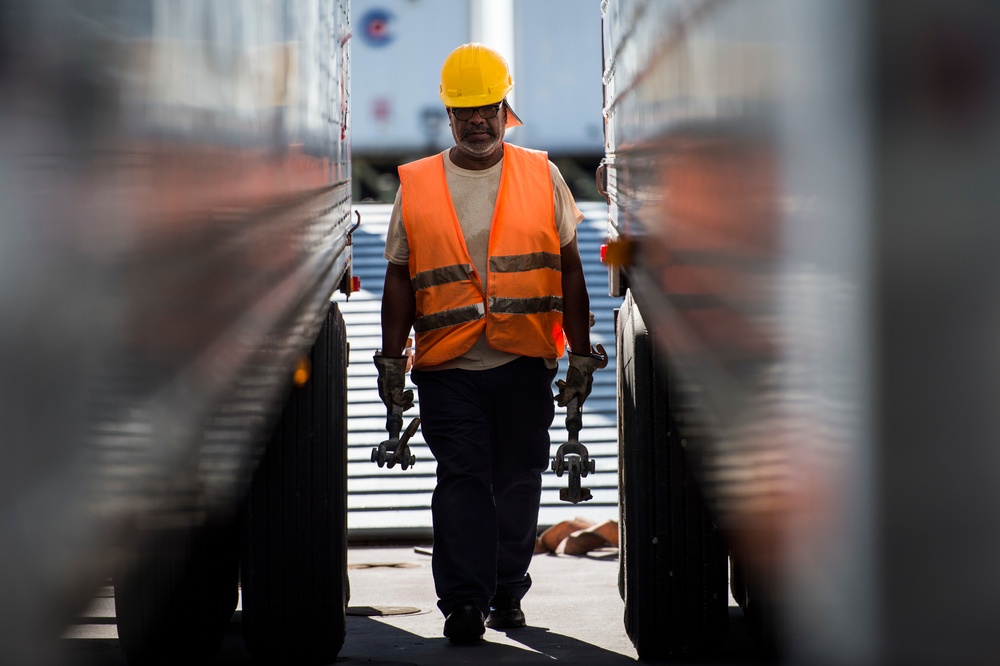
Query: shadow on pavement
(91, 652)
(373, 642)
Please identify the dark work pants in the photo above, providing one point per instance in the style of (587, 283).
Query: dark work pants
(489, 432)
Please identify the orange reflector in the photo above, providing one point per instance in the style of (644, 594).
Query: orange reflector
(301, 374)
(617, 253)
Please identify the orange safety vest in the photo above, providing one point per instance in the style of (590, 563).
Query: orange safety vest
(522, 313)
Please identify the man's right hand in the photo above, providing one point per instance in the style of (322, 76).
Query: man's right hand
(392, 381)
(580, 375)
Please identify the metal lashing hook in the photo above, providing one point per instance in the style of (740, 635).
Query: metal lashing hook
(396, 449)
(350, 232)
(573, 457)
(350, 283)
(602, 181)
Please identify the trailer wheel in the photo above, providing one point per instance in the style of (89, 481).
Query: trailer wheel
(175, 597)
(294, 558)
(759, 610)
(673, 561)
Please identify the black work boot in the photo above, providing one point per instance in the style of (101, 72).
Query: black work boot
(505, 613)
(464, 625)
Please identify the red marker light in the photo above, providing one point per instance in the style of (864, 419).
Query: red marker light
(355, 284)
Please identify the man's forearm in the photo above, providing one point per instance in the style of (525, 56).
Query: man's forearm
(576, 301)
(398, 309)
(576, 311)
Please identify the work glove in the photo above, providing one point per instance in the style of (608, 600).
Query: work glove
(580, 375)
(392, 381)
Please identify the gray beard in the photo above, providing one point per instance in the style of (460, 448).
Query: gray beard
(479, 149)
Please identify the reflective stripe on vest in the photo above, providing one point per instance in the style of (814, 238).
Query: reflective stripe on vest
(522, 314)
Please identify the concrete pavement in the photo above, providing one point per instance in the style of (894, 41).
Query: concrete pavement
(574, 616)
(573, 611)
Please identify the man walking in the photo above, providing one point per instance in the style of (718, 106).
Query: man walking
(484, 266)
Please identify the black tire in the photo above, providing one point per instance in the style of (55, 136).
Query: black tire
(174, 599)
(759, 610)
(294, 557)
(673, 560)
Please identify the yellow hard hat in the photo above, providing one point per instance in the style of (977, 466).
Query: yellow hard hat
(474, 75)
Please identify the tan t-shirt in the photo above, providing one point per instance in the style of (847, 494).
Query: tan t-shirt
(474, 196)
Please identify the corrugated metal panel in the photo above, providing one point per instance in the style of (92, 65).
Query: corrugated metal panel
(396, 500)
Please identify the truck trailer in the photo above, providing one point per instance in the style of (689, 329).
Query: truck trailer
(176, 188)
(802, 222)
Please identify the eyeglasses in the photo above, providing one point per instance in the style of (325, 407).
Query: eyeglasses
(485, 112)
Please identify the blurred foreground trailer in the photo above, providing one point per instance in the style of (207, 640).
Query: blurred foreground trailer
(176, 193)
(803, 221)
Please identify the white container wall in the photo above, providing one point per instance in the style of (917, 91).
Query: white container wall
(558, 51)
(399, 46)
